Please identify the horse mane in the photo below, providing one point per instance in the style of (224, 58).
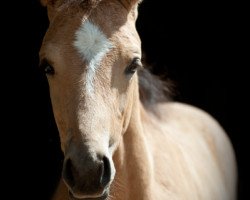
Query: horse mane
(86, 4)
(153, 89)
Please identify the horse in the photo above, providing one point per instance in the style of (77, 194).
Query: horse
(120, 138)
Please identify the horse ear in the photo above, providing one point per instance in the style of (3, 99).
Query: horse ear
(44, 2)
(47, 2)
(51, 5)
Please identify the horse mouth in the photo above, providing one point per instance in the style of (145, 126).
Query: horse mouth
(104, 196)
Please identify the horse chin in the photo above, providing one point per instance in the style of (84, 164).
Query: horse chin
(104, 196)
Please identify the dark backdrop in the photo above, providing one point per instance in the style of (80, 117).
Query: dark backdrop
(199, 46)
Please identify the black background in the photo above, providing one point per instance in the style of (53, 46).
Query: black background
(200, 46)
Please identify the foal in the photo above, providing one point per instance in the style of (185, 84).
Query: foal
(114, 145)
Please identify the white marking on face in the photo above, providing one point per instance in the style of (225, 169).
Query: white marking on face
(92, 45)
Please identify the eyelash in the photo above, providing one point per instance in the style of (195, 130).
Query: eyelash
(134, 66)
(47, 68)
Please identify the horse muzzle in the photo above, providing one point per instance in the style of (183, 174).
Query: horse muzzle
(88, 176)
(103, 197)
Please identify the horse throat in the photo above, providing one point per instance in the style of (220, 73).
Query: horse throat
(134, 173)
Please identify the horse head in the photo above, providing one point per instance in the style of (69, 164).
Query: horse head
(91, 53)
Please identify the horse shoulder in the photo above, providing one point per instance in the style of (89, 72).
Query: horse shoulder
(199, 122)
(199, 148)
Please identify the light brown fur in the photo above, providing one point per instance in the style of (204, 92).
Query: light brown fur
(181, 153)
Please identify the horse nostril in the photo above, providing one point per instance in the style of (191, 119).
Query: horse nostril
(91, 176)
(106, 172)
(68, 172)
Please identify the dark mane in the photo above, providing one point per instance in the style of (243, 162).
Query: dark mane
(152, 89)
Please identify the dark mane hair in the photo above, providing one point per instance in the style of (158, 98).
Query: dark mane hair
(152, 89)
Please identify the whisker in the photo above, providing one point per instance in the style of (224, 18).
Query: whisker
(110, 197)
(117, 188)
(119, 184)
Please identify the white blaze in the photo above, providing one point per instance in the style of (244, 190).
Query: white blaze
(92, 45)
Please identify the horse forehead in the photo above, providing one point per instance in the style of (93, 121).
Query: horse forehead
(90, 35)
(92, 45)
(59, 34)
(94, 41)
(91, 42)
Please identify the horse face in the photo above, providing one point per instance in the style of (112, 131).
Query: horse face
(91, 59)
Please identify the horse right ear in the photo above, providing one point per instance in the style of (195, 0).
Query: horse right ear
(51, 5)
(47, 2)
(44, 2)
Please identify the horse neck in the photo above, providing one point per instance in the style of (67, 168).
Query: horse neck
(132, 160)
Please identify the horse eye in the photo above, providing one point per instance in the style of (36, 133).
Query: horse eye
(134, 65)
(47, 68)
